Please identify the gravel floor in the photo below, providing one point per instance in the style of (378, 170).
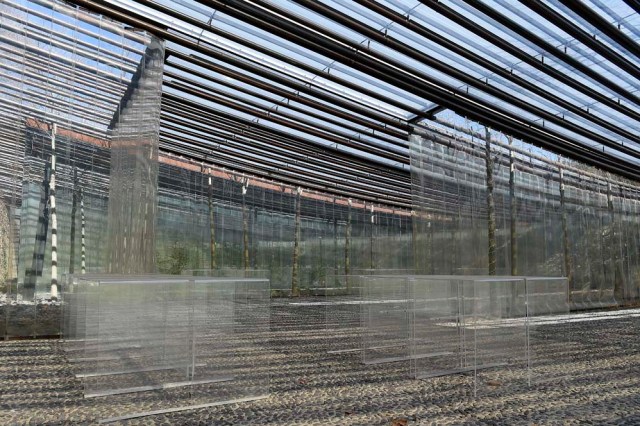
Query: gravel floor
(597, 381)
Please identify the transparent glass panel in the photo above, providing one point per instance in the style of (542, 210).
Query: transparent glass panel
(439, 346)
(550, 330)
(343, 303)
(149, 343)
(386, 309)
(500, 336)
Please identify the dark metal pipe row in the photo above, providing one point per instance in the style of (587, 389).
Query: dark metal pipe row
(498, 70)
(245, 129)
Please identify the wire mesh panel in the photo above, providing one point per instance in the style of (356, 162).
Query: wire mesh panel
(550, 346)
(386, 308)
(500, 337)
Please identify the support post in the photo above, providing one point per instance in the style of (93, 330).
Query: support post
(212, 225)
(513, 211)
(491, 208)
(74, 209)
(54, 216)
(347, 247)
(565, 236)
(372, 239)
(295, 270)
(414, 240)
(618, 280)
(245, 226)
(83, 259)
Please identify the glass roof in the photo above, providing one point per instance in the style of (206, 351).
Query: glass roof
(347, 78)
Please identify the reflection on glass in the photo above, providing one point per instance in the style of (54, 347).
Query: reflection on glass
(486, 205)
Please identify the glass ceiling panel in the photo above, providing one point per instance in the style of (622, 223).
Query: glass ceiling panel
(601, 38)
(557, 37)
(512, 88)
(272, 63)
(621, 15)
(332, 106)
(317, 71)
(515, 39)
(212, 106)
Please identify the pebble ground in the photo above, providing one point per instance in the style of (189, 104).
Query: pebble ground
(594, 379)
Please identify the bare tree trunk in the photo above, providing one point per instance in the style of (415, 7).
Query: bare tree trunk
(513, 211)
(54, 216)
(347, 248)
(83, 259)
(6, 240)
(245, 229)
(295, 270)
(565, 237)
(429, 261)
(372, 239)
(335, 243)
(254, 238)
(491, 208)
(212, 226)
(74, 209)
(414, 240)
(618, 286)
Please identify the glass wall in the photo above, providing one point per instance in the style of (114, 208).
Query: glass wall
(493, 205)
(72, 86)
(212, 218)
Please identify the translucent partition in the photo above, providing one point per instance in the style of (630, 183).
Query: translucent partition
(438, 342)
(140, 338)
(386, 318)
(487, 203)
(550, 330)
(158, 344)
(80, 93)
(73, 316)
(500, 337)
(343, 303)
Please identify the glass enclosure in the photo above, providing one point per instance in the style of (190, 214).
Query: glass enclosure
(487, 204)
(172, 341)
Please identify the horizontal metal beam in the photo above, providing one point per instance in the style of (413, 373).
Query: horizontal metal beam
(333, 45)
(607, 28)
(500, 71)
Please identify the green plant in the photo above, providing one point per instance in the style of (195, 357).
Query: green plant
(175, 261)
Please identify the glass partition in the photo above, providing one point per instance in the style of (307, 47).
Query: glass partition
(499, 326)
(386, 318)
(146, 343)
(439, 346)
(550, 330)
(488, 204)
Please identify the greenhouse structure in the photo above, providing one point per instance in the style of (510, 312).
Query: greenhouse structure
(319, 212)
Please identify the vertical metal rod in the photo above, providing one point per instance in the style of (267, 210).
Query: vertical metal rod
(491, 208)
(82, 230)
(513, 210)
(54, 216)
(212, 225)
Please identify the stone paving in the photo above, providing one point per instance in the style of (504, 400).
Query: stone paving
(599, 384)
